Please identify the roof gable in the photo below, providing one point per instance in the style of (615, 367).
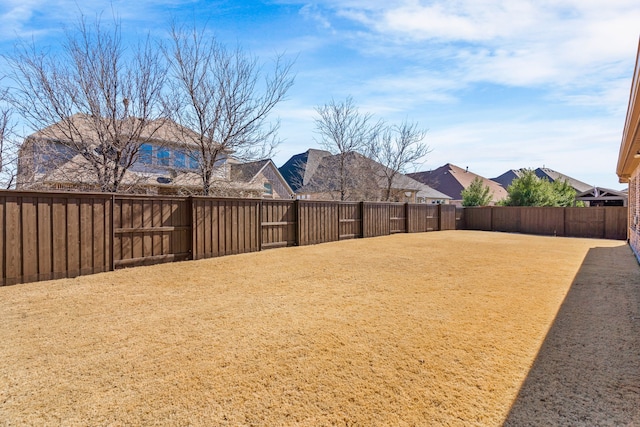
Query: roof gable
(299, 169)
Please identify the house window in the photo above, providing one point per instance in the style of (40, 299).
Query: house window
(268, 188)
(146, 154)
(164, 157)
(193, 160)
(179, 160)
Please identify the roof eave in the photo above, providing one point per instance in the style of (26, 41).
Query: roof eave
(629, 156)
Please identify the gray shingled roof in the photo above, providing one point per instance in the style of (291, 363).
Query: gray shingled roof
(299, 169)
(507, 178)
(324, 176)
(245, 172)
(451, 179)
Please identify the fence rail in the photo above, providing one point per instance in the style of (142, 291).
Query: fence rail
(56, 235)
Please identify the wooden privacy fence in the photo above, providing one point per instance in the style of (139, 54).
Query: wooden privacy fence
(594, 222)
(56, 235)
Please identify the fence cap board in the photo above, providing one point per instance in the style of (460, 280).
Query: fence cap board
(58, 194)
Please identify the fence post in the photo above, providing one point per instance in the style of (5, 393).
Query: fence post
(192, 225)
(406, 217)
(362, 221)
(296, 207)
(439, 217)
(491, 218)
(259, 225)
(112, 245)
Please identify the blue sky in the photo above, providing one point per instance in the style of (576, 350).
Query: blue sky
(499, 84)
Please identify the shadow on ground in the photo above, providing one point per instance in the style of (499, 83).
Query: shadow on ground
(587, 372)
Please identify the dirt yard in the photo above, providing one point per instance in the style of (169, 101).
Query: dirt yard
(451, 328)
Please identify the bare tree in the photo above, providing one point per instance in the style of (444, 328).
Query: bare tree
(94, 104)
(398, 147)
(343, 131)
(225, 98)
(8, 146)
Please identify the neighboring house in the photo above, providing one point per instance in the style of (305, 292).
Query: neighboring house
(313, 175)
(265, 176)
(628, 168)
(451, 180)
(598, 196)
(165, 165)
(507, 178)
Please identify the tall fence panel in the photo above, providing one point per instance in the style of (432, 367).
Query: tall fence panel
(318, 222)
(417, 218)
(225, 226)
(542, 220)
(478, 218)
(460, 219)
(350, 220)
(150, 230)
(279, 223)
(447, 216)
(422, 218)
(51, 235)
(397, 218)
(506, 219)
(593, 222)
(615, 223)
(375, 219)
(581, 222)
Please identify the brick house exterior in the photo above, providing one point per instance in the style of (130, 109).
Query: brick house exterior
(628, 168)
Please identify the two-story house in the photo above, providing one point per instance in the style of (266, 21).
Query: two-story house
(164, 164)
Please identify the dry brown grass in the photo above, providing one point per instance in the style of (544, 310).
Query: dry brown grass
(414, 329)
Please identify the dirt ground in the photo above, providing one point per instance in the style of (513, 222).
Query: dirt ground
(454, 328)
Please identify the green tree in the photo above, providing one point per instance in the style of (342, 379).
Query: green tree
(530, 190)
(476, 194)
(565, 194)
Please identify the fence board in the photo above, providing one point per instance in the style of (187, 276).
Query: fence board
(59, 250)
(45, 239)
(460, 219)
(3, 268)
(85, 242)
(29, 240)
(73, 237)
(13, 246)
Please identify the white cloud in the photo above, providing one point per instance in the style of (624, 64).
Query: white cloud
(313, 13)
